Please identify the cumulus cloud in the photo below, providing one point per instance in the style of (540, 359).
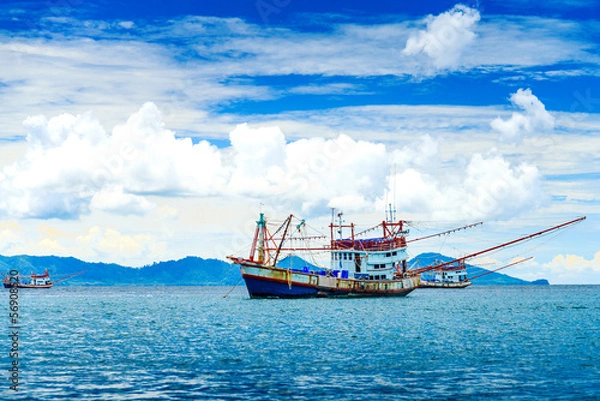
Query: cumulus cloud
(569, 269)
(488, 187)
(258, 158)
(423, 153)
(73, 167)
(110, 242)
(535, 118)
(575, 263)
(113, 199)
(73, 164)
(446, 37)
(307, 174)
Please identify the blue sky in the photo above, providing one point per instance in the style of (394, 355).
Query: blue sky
(142, 131)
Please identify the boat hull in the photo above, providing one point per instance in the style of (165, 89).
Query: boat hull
(12, 285)
(441, 284)
(270, 282)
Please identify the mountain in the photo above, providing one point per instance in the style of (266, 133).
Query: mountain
(297, 263)
(430, 258)
(194, 271)
(187, 271)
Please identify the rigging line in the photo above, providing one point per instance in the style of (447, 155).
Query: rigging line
(281, 226)
(308, 248)
(233, 288)
(500, 268)
(544, 240)
(393, 218)
(509, 244)
(548, 239)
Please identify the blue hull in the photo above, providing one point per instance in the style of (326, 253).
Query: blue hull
(268, 282)
(270, 289)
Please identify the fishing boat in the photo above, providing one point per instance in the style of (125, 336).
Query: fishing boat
(33, 281)
(358, 266)
(446, 277)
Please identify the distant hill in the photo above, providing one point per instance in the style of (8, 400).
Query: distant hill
(188, 271)
(429, 258)
(193, 271)
(296, 262)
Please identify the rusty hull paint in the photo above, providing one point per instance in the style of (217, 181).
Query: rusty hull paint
(331, 286)
(433, 284)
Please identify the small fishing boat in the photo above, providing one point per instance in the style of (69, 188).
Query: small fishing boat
(446, 277)
(33, 281)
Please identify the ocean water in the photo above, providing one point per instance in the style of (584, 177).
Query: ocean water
(190, 343)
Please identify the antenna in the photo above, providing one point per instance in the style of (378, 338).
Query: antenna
(341, 222)
(391, 218)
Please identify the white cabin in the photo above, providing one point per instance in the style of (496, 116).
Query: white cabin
(371, 265)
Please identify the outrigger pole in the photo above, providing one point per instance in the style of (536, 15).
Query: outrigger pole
(504, 245)
(68, 277)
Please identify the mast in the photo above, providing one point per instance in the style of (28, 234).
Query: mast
(260, 237)
(287, 226)
(530, 236)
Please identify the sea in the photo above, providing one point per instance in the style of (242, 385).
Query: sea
(215, 343)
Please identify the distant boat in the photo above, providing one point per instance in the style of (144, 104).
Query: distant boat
(35, 280)
(446, 277)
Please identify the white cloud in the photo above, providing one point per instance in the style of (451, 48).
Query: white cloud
(112, 199)
(111, 243)
(306, 174)
(73, 166)
(326, 89)
(423, 153)
(569, 269)
(446, 37)
(488, 188)
(72, 163)
(10, 241)
(534, 120)
(575, 263)
(127, 24)
(258, 158)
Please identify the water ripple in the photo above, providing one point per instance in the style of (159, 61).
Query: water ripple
(165, 343)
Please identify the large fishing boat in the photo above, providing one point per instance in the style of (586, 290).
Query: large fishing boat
(358, 266)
